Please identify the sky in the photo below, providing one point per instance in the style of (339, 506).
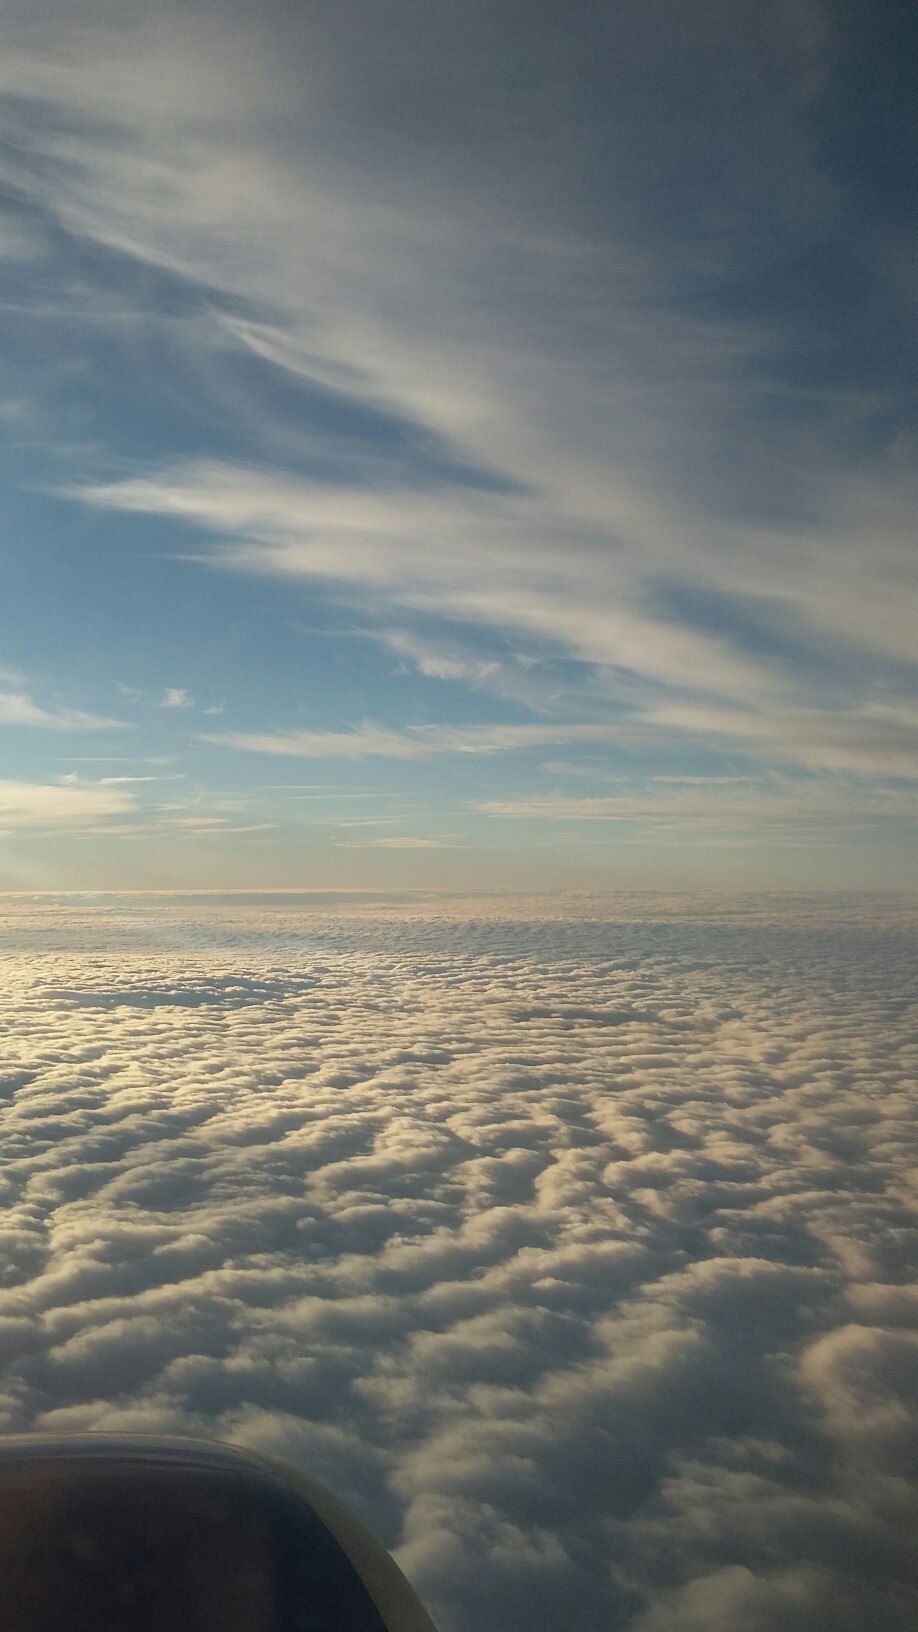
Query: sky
(457, 446)
(576, 1254)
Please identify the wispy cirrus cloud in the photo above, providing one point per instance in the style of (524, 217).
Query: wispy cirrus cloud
(588, 518)
(33, 804)
(796, 804)
(874, 737)
(406, 841)
(872, 740)
(18, 708)
(496, 563)
(417, 742)
(483, 559)
(628, 398)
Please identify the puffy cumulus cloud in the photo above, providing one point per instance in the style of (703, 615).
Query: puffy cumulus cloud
(578, 1255)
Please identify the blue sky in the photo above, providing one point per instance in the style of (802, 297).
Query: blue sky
(457, 446)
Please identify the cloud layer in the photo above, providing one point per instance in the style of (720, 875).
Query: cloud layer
(577, 1254)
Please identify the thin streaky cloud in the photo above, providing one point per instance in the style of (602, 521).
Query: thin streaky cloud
(454, 366)
(18, 708)
(27, 804)
(395, 843)
(418, 742)
(804, 803)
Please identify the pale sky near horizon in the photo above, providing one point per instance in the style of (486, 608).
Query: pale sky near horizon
(457, 446)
